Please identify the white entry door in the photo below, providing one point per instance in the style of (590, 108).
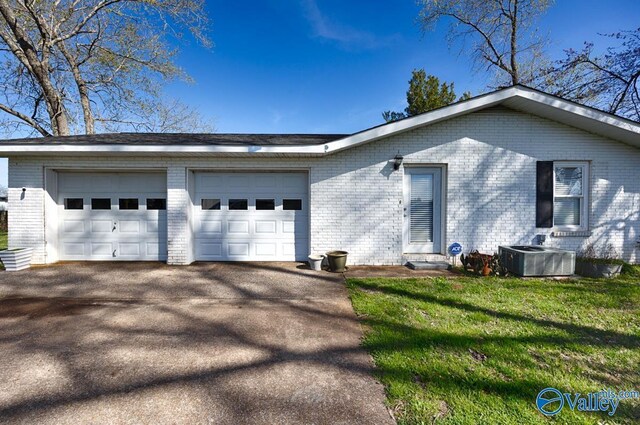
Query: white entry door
(422, 210)
(258, 216)
(112, 216)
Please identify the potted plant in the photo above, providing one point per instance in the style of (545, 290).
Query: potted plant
(597, 263)
(16, 259)
(315, 262)
(337, 261)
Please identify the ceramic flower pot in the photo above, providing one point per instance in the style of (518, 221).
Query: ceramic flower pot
(337, 261)
(315, 262)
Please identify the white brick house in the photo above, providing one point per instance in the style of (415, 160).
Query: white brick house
(503, 168)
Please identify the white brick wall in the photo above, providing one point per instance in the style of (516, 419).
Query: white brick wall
(356, 197)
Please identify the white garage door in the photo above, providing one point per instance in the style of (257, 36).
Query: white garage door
(259, 216)
(112, 216)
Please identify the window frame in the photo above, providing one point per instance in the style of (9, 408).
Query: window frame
(66, 205)
(91, 206)
(137, 208)
(293, 200)
(584, 198)
(163, 202)
(240, 200)
(272, 202)
(202, 202)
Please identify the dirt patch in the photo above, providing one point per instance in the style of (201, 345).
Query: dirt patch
(393, 271)
(34, 307)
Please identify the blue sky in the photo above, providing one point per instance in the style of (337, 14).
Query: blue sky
(329, 66)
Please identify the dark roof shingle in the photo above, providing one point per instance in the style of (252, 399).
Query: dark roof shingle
(221, 139)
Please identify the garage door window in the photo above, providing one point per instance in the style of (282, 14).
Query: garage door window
(128, 203)
(156, 204)
(210, 204)
(73, 203)
(100, 203)
(265, 204)
(292, 204)
(238, 204)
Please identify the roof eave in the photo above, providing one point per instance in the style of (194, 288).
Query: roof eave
(315, 150)
(608, 125)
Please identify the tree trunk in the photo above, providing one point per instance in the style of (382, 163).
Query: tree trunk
(514, 44)
(83, 91)
(39, 69)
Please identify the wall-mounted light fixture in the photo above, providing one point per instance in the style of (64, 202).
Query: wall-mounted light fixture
(397, 162)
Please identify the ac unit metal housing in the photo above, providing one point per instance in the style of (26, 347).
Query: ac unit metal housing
(532, 260)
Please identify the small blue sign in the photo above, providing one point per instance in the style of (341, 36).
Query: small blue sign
(455, 248)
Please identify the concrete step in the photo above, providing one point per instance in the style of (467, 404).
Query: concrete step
(433, 258)
(428, 265)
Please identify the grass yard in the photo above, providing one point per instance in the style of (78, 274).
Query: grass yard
(478, 350)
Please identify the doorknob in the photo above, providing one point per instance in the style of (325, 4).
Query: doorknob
(114, 227)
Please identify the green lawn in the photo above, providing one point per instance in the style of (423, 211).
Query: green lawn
(429, 339)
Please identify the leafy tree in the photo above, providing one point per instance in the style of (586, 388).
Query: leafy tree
(608, 81)
(72, 66)
(425, 94)
(501, 32)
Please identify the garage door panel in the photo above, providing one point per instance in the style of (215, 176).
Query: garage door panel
(236, 249)
(73, 249)
(268, 249)
(129, 249)
(101, 249)
(101, 226)
(289, 249)
(206, 250)
(73, 226)
(266, 227)
(106, 232)
(255, 233)
(212, 227)
(155, 249)
(129, 226)
(238, 227)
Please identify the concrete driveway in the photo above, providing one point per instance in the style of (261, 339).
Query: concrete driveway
(213, 343)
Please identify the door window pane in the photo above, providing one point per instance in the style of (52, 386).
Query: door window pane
(100, 203)
(210, 204)
(128, 203)
(292, 204)
(238, 204)
(265, 204)
(73, 203)
(156, 204)
(421, 214)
